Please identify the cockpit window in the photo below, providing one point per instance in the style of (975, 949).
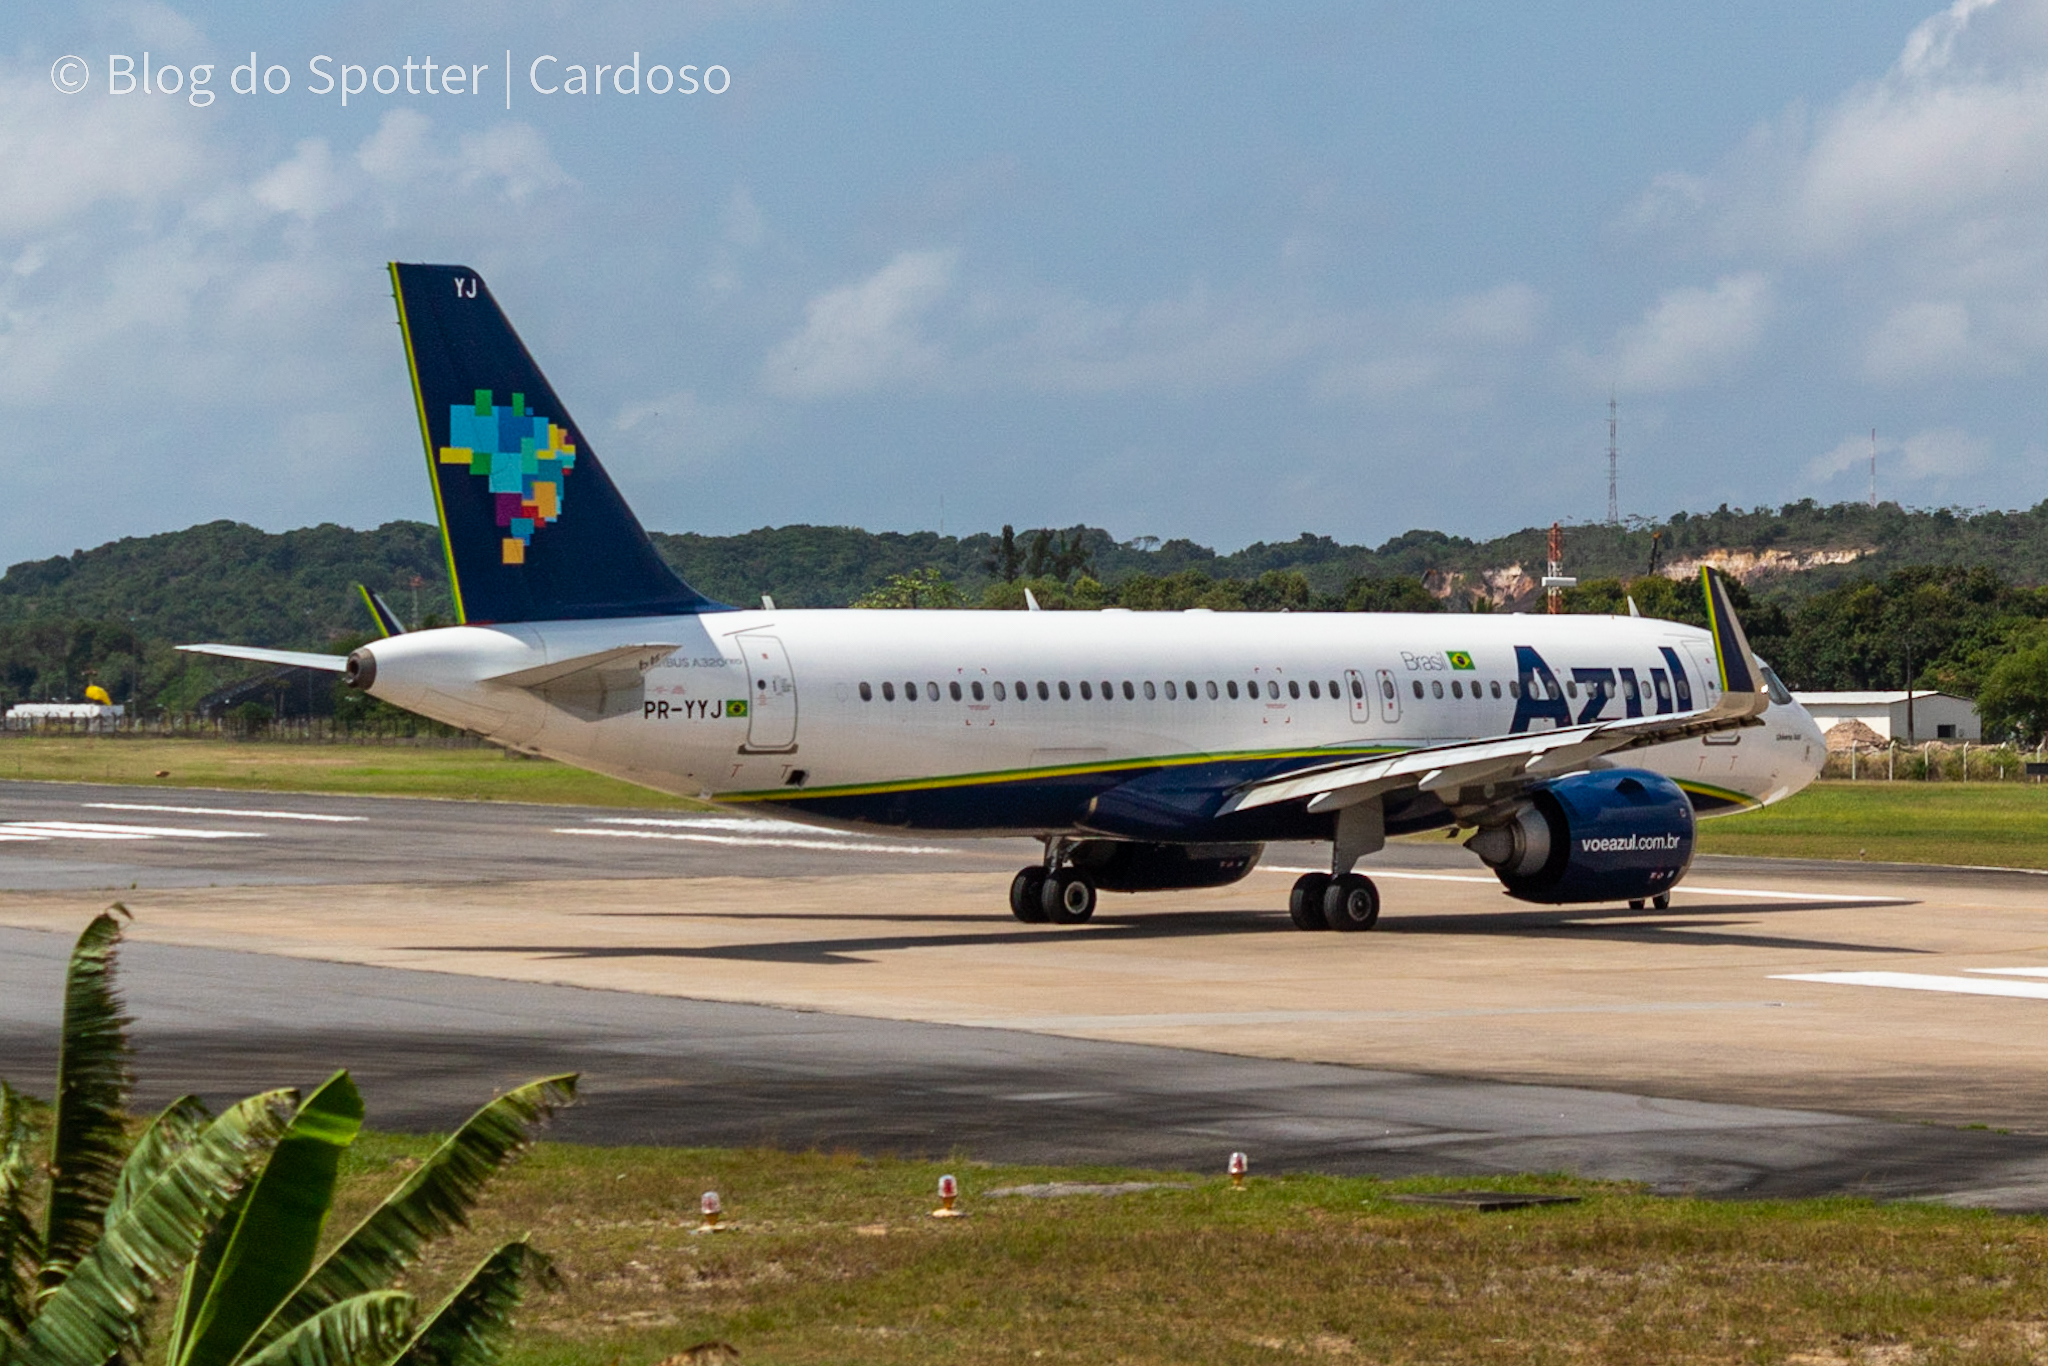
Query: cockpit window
(1777, 690)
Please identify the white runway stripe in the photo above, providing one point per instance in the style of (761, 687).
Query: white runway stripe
(218, 811)
(759, 842)
(93, 830)
(1915, 981)
(742, 824)
(15, 837)
(2011, 972)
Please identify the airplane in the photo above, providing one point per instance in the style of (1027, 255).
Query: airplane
(1145, 751)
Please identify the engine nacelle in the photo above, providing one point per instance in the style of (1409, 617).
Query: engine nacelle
(1127, 866)
(1622, 834)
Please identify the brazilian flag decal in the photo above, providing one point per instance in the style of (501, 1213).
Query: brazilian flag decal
(736, 707)
(1460, 659)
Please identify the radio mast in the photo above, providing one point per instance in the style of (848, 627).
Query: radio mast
(1873, 467)
(1613, 462)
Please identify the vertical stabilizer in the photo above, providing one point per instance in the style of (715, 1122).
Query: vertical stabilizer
(534, 528)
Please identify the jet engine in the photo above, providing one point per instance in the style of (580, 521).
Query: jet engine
(1616, 835)
(1126, 866)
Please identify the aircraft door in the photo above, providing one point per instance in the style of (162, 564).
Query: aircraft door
(1360, 698)
(1390, 698)
(771, 701)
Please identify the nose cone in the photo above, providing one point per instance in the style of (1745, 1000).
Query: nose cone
(1802, 746)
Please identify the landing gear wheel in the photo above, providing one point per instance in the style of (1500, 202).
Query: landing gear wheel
(1025, 891)
(1068, 897)
(1351, 903)
(1662, 901)
(1636, 903)
(1305, 902)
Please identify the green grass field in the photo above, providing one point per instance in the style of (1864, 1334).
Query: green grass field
(1985, 824)
(382, 770)
(834, 1258)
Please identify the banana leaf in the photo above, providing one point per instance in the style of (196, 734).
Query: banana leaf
(100, 1308)
(88, 1143)
(471, 1325)
(274, 1233)
(363, 1330)
(19, 1245)
(432, 1201)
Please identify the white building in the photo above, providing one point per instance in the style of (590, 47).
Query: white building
(1936, 715)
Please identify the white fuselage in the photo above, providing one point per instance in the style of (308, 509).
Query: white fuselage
(826, 712)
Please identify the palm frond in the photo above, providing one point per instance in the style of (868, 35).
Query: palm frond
(363, 1330)
(433, 1200)
(18, 1242)
(86, 1145)
(471, 1325)
(100, 1307)
(169, 1134)
(275, 1232)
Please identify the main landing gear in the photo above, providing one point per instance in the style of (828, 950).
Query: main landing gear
(1662, 901)
(1320, 901)
(1060, 896)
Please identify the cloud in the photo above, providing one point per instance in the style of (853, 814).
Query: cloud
(1689, 337)
(1933, 457)
(1918, 340)
(864, 335)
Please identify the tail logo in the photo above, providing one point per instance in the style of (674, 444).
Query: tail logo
(526, 457)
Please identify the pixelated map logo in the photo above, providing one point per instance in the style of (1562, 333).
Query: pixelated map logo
(526, 457)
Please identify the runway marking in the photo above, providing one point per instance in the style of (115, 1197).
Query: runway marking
(92, 830)
(1679, 890)
(218, 811)
(1917, 981)
(735, 823)
(758, 842)
(2011, 972)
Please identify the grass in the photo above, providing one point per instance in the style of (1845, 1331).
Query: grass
(833, 1258)
(1987, 824)
(380, 769)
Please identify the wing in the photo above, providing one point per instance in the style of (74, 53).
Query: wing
(1513, 759)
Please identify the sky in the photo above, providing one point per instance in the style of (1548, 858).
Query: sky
(1225, 272)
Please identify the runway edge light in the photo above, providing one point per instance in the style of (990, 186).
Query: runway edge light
(949, 1194)
(1239, 1165)
(712, 1210)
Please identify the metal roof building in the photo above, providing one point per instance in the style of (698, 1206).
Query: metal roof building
(1935, 715)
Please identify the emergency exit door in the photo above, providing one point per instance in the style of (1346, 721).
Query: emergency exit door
(771, 697)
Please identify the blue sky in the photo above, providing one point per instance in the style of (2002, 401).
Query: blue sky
(1230, 273)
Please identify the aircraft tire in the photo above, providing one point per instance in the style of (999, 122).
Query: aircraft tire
(1352, 903)
(1068, 897)
(1025, 892)
(1636, 903)
(1662, 901)
(1305, 902)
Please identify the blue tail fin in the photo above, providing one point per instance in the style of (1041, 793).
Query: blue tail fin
(388, 624)
(535, 530)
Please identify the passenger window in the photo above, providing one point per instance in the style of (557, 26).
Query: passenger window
(1418, 687)
(1571, 688)
(999, 690)
(1251, 689)
(1515, 688)
(1293, 689)
(954, 688)
(1495, 685)
(910, 692)
(888, 692)
(1335, 692)
(1662, 684)
(867, 694)
(1210, 687)
(1172, 693)
(1231, 688)
(1043, 695)
(1191, 690)
(1086, 695)
(1358, 689)
(1457, 688)
(1315, 689)
(931, 692)
(1023, 693)
(1436, 686)
(1272, 689)
(1130, 693)
(1108, 693)
(975, 688)
(1628, 688)
(1066, 693)
(1387, 688)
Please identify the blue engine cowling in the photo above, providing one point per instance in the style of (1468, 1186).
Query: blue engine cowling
(1622, 834)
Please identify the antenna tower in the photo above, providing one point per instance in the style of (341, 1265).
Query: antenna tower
(1613, 462)
(1873, 467)
(1556, 581)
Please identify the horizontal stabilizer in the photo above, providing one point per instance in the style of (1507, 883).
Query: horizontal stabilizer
(296, 659)
(634, 657)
